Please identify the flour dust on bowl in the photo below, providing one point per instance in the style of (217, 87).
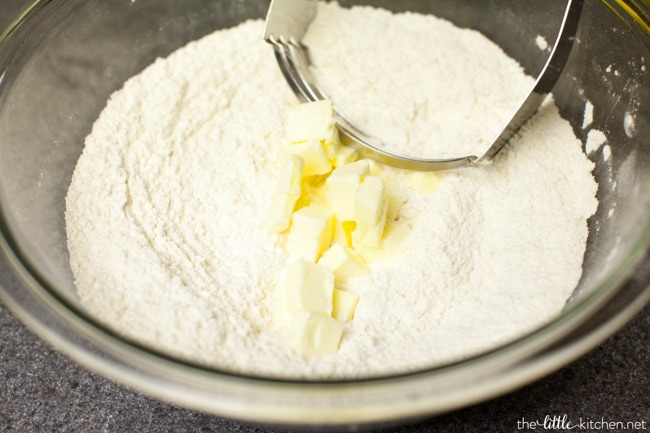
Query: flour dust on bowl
(136, 214)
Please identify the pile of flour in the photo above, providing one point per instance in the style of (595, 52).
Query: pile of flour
(166, 207)
(420, 84)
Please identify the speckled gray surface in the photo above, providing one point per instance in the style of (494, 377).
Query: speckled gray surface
(43, 391)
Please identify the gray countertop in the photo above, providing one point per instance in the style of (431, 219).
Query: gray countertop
(43, 391)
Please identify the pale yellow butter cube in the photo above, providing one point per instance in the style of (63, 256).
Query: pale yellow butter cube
(370, 201)
(314, 155)
(309, 287)
(395, 234)
(310, 334)
(395, 202)
(332, 146)
(342, 185)
(343, 232)
(345, 155)
(375, 167)
(344, 305)
(339, 236)
(311, 232)
(343, 262)
(287, 192)
(426, 182)
(278, 217)
(312, 121)
(370, 235)
(290, 175)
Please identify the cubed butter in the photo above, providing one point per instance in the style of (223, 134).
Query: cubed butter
(348, 229)
(343, 232)
(338, 233)
(376, 168)
(312, 121)
(309, 287)
(290, 175)
(344, 304)
(396, 200)
(395, 233)
(287, 193)
(426, 182)
(311, 232)
(368, 236)
(314, 155)
(310, 334)
(333, 146)
(278, 217)
(343, 262)
(342, 185)
(345, 155)
(370, 202)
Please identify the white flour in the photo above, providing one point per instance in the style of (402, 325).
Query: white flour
(166, 207)
(423, 86)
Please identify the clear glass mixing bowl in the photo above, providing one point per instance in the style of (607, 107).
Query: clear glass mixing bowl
(60, 61)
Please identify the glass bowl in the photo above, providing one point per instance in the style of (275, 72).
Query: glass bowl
(61, 59)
